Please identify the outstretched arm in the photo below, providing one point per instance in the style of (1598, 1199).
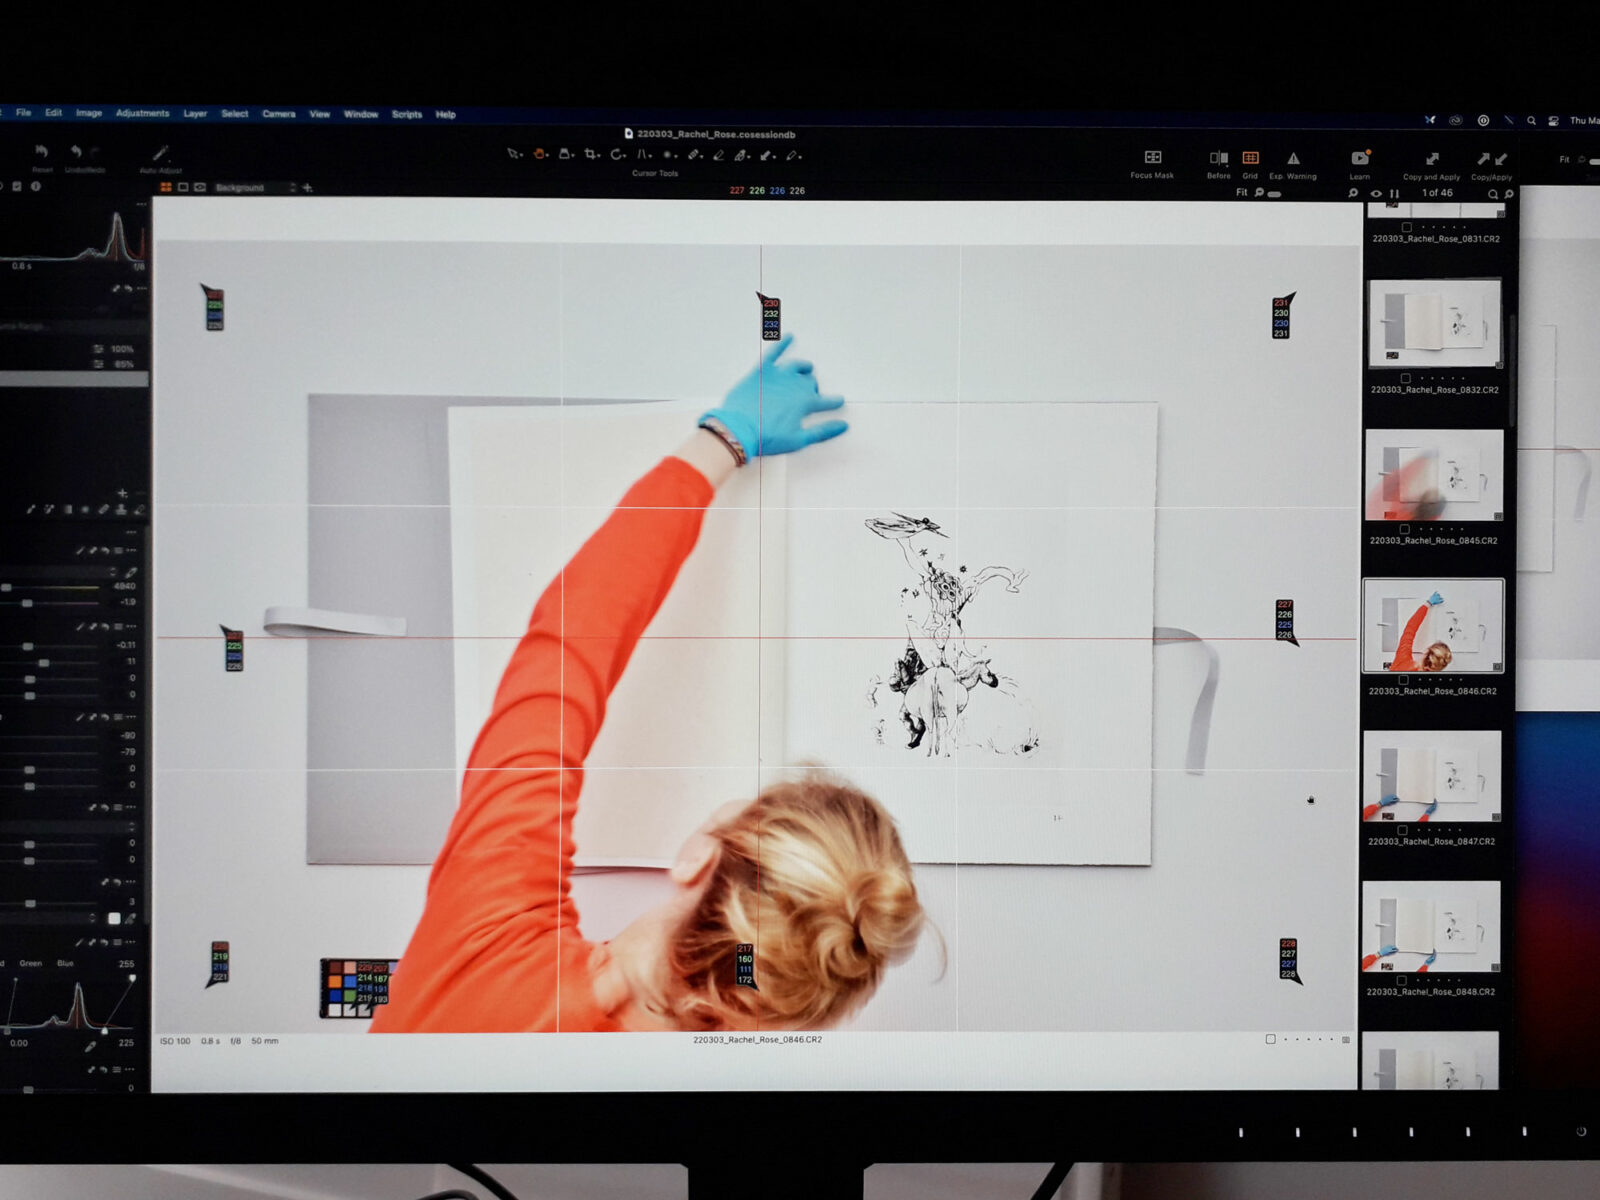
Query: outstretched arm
(552, 698)
(1403, 657)
(502, 881)
(521, 785)
(705, 452)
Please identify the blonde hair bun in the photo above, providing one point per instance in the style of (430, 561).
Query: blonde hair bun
(813, 874)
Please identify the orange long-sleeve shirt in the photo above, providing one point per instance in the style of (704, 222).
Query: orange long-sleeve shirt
(498, 947)
(1404, 659)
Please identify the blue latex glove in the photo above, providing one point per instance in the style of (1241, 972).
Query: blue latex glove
(766, 410)
(1436, 599)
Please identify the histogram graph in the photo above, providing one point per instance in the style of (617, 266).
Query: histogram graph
(77, 1016)
(116, 248)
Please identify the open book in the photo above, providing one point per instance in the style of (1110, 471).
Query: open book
(1426, 776)
(1448, 926)
(1449, 1068)
(1434, 321)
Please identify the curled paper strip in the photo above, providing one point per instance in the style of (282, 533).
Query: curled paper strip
(1582, 501)
(1200, 722)
(289, 621)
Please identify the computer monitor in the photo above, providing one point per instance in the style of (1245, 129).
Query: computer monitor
(458, 659)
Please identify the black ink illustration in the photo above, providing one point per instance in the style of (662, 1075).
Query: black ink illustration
(940, 670)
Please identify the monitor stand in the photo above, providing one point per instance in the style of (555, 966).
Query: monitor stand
(746, 1173)
(743, 1174)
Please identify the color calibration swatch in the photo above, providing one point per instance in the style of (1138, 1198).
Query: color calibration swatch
(232, 649)
(219, 964)
(213, 308)
(771, 318)
(352, 987)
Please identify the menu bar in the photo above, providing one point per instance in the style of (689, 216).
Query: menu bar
(388, 114)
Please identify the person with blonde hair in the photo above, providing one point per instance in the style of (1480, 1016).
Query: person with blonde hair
(808, 882)
(1435, 658)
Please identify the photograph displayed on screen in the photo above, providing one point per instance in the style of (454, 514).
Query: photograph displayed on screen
(1437, 926)
(1436, 775)
(1435, 475)
(1434, 323)
(557, 719)
(1443, 210)
(1430, 1061)
(1433, 626)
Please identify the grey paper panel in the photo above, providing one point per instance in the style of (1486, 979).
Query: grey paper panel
(378, 817)
(1389, 771)
(1392, 624)
(384, 561)
(1386, 1074)
(380, 449)
(1394, 321)
(1391, 473)
(382, 703)
(379, 486)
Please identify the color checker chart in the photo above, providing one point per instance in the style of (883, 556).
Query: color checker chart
(352, 987)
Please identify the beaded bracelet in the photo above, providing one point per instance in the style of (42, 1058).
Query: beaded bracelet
(713, 425)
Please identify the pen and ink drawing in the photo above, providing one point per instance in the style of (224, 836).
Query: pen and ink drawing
(951, 695)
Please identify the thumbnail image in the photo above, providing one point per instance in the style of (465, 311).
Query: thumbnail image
(1435, 475)
(1430, 775)
(1437, 926)
(1446, 626)
(1408, 210)
(1434, 323)
(1430, 1061)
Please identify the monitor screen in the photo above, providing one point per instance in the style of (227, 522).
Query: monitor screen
(633, 605)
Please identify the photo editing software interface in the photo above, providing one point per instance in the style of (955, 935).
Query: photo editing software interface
(496, 604)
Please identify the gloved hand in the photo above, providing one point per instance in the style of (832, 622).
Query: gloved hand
(766, 410)
(1435, 599)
